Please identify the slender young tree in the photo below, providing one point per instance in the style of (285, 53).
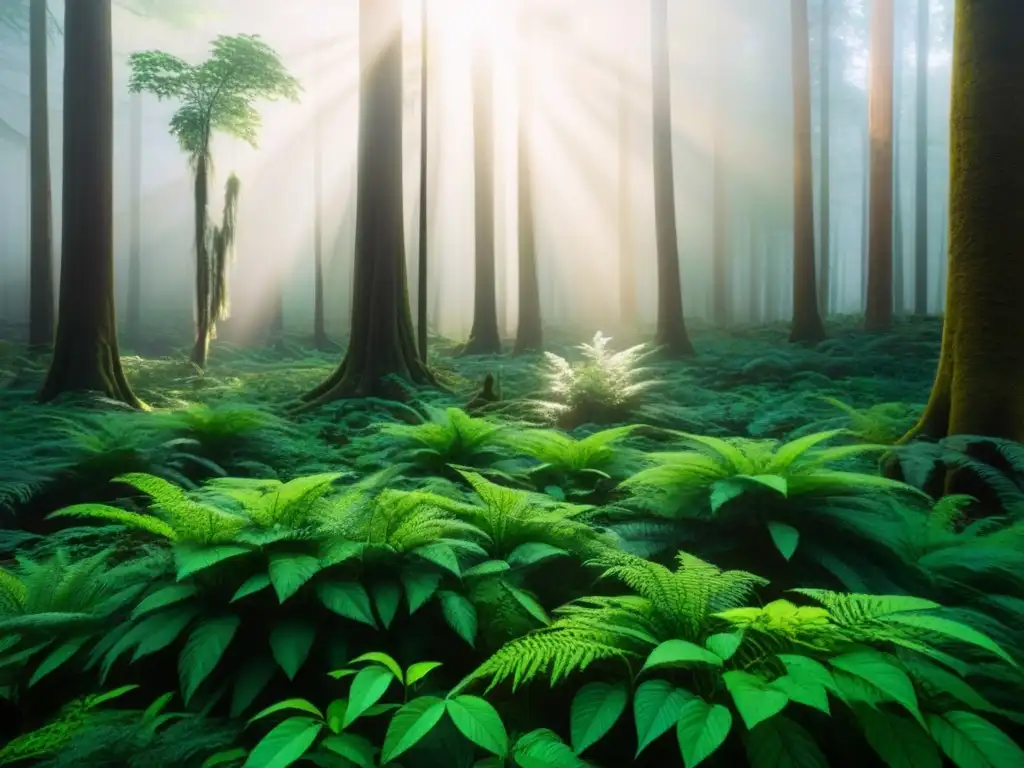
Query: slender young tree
(216, 95)
(134, 304)
(530, 334)
(627, 269)
(825, 148)
(382, 344)
(40, 315)
(319, 321)
(977, 388)
(671, 334)
(720, 309)
(879, 307)
(921, 166)
(807, 325)
(484, 337)
(421, 263)
(85, 353)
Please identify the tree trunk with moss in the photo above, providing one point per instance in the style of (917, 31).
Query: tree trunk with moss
(382, 342)
(204, 323)
(40, 315)
(484, 338)
(85, 354)
(671, 334)
(807, 325)
(879, 306)
(979, 387)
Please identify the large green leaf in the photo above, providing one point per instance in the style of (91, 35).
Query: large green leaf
(380, 658)
(953, 629)
(595, 708)
(479, 722)
(250, 681)
(289, 571)
(544, 749)
(970, 741)
(410, 724)
(459, 614)
(701, 729)
(755, 700)
(785, 537)
(348, 599)
(354, 748)
(532, 553)
(368, 687)
(203, 651)
(161, 629)
(420, 586)
(656, 708)
(880, 670)
(193, 558)
(174, 593)
(255, 583)
(806, 692)
(724, 644)
(679, 653)
(290, 642)
(418, 670)
(57, 658)
(285, 744)
(899, 741)
(386, 596)
(782, 743)
(289, 705)
(441, 555)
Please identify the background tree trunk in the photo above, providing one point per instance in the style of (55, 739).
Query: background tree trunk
(879, 308)
(807, 324)
(899, 287)
(671, 334)
(421, 264)
(319, 321)
(204, 320)
(134, 303)
(979, 387)
(382, 342)
(85, 355)
(719, 216)
(40, 314)
(530, 335)
(627, 269)
(824, 198)
(921, 170)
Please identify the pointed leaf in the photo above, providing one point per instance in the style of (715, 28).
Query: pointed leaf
(288, 572)
(970, 741)
(678, 653)
(386, 596)
(288, 705)
(168, 595)
(252, 585)
(419, 670)
(534, 552)
(724, 644)
(348, 599)
(410, 724)
(420, 586)
(290, 643)
(382, 659)
(656, 708)
(459, 614)
(203, 651)
(785, 537)
(285, 744)
(193, 558)
(754, 700)
(479, 722)
(701, 729)
(368, 687)
(57, 657)
(879, 670)
(725, 491)
(595, 708)
(782, 743)
(356, 749)
(899, 741)
(250, 681)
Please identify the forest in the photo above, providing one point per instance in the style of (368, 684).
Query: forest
(511, 383)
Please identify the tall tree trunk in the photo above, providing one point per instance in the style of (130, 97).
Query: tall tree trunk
(530, 334)
(671, 334)
(878, 311)
(824, 198)
(134, 302)
(899, 287)
(978, 388)
(382, 343)
(85, 354)
(720, 246)
(40, 313)
(421, 264)
(484, 337)
(627, 268)
(921, 170)
(865, 215)
(807, 324)
(200, 200)
(319, 321)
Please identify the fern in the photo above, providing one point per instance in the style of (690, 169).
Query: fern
(447, 437)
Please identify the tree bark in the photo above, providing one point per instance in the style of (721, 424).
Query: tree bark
(204, 319)
(824, 196)
(899, 287)
(671, 334)
(807, 325)
(979, 386)
(319, 321)
(720, 246)
(484, 337)
(134, 302)
(40, 315)
(85, 355)
(627, 269)
(382, 342)
(921, 175)
(421, 282)
(530, 334)
(879, 309)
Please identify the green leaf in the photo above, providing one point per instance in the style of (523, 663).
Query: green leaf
(288, 572)
(386, 596)
(368, 687)
(253, 584)
(459, 614)
(679, 653)
(57, 657)
(785, 537)
(776, 483)
(880, 671)
(193, 558)
(169, 595)
(348, 599)
(383, 659)
(410, 724)
(806, 692)
(808, 670)
(420, 586)
(656, 708)
(532, 553)
(479, 722)
(419, 670)
(754, 700)
(285, 744)
(203, 651)
(543, 749)
(724, 644)
(781, 743)
(154, 709)
(529, 603)
(290, 643)
(102, 698)
(160, 630)
(486, 568)
(336, 714)
(224, 757)
(725, 491)
(288, 705)
(970, 741)
(441, 555)
(899, 741)
(595, 708)
(701, 729)
(250, 681)
(356, 749)
(953, 629)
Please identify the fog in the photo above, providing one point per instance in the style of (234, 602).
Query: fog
(588, 64)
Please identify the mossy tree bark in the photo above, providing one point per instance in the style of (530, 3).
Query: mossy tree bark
(201, 204)
(530, 334)
(382, 342)
(807, 325)
(671, 334)
(878, 311)
(484, 338)
(979, 386)
(85, 354)
(40, 314)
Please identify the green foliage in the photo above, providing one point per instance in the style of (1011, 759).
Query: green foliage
(881, 424)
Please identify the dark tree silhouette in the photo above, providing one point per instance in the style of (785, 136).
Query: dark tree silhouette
(421, 262)
(921, 169)
(530, 334)
(40, 295)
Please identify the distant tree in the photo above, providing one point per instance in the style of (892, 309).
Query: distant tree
(530, 334)
(421, 261)
(85, 354)
(807, 324)
(319, 320)
(382, 342)
(627, 267)
(879, 305)
(825, 138)
(216, 95)
(40, 314)
(720, 305)
(671, 334)
(921, 168)
(978, 387)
